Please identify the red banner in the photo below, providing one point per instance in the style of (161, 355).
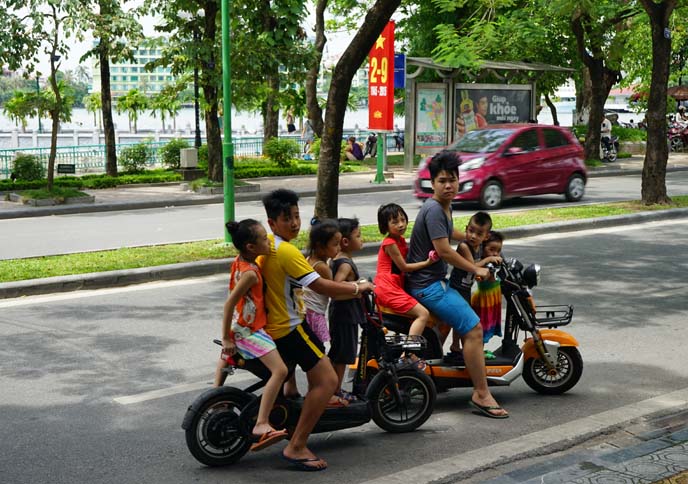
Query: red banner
(381, 81)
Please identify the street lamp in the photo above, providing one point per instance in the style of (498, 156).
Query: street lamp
(227, 145)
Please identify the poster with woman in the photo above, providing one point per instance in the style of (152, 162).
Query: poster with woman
(431, 116)
(479, 105)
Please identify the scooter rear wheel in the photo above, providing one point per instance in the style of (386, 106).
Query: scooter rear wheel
(564, 377)
(214, 433)
(418, 396)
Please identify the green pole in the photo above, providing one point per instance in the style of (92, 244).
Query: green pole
(38, 92)
(227, 145)
(381, 153)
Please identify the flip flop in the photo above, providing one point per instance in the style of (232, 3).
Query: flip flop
(269, 438)
(487, 409)
(339, 403)
(302, 464)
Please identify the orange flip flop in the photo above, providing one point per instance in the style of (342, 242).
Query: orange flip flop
(269, 438)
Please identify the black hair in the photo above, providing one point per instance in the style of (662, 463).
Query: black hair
(481, 219)
(443, 161)
(321, 233)
(279, 202)
(347, 226)
(243, 233)
(387, 212)
(494, 236)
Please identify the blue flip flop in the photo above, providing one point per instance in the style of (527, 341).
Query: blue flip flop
(301, 464)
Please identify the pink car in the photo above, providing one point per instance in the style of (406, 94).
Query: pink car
(513, 160)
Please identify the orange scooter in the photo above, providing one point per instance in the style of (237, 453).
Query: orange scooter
(548, 358)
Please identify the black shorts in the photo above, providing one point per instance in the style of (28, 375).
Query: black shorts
(301, 347)
(343, 343)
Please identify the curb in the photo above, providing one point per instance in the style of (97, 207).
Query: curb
(100, 280)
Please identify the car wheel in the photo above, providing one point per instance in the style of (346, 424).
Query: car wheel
(491, 195)
(575, 188)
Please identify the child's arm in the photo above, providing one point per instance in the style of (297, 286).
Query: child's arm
(345, 273)
(454, 257)
(494, 259)
(248, 279)
(324, 270)
(392, 250)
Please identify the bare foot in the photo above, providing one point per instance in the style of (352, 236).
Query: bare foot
(261, 429)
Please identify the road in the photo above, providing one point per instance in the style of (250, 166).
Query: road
(95, 384)
(110, 230)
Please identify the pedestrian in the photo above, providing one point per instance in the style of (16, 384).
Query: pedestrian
(308, 135)
(291, 127)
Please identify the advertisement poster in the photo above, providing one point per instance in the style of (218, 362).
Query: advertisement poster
(431, 112)
(478, 105)
(381, 81)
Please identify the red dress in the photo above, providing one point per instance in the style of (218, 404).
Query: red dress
(389, 280)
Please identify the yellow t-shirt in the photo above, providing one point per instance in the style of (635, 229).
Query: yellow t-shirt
(285, 272)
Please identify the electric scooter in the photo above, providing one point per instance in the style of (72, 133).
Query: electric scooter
(548, 358)
(398, 398)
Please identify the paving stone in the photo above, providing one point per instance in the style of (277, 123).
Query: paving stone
(635, 451)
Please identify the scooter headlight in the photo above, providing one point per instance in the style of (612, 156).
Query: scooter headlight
(531, 275)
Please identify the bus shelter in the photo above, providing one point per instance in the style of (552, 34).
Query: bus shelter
(432, 108)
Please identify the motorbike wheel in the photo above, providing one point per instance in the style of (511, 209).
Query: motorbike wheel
(676, 144)
(567, 373)
(214, 435)
(417, 401)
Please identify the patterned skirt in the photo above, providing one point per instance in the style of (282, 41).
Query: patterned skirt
(487, 304)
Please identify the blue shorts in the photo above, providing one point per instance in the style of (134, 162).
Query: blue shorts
(448, 305)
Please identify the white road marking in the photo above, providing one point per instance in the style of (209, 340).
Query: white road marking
(492, 455)
(176, 389)
(43, 299)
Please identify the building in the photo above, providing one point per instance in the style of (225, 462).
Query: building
(125, 76)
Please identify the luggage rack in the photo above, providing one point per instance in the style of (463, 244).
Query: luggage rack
(553, 316)
(397, 344)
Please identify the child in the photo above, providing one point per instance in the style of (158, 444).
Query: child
(323, 245)
(346, 312)
(487, 300)
(391, 266)
(243, 321)
(287, 272)
(470, 249)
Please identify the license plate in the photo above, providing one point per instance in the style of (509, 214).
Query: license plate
(425, 184)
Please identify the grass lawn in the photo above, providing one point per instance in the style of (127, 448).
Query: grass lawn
(130, 258)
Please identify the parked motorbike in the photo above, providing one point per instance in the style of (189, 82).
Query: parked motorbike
(609, 148)
(548, 358)
(677, 135)
(398, 397)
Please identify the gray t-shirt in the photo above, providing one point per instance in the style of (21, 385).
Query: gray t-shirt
(431, 223)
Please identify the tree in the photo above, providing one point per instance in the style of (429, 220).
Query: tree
(116, 32)
(352, 58)
(20, 107)
(653, 188)
(132, 103)
(167, 102)
(93, 103)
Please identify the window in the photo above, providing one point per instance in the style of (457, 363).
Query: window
(526, 141)
(554, 138)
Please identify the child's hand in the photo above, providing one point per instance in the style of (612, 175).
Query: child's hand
(228, 346)
(482, 273)
(495, 259)
(433, 256)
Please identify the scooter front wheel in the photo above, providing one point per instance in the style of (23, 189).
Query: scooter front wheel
(409, 409)
(568, 371)
(214, 433)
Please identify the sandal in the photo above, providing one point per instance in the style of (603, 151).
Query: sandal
(349, 397)
(489, 355)
(337, 402)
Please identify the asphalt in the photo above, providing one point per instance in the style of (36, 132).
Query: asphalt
(640, 443)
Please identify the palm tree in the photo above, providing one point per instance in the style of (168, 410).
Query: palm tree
(133, 103)
(20, 106)
(93, 103)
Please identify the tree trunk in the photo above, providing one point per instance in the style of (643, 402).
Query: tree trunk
(270, 108)
(653, 189)
(355, 54)
(552, 109)
(583, 97)
(106, 101)
(314, 110)
(210, 84)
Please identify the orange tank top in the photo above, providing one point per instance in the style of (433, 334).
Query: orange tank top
(250, 310)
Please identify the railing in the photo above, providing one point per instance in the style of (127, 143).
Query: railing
(91, 158)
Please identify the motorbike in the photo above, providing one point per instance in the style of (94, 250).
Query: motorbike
(677, 135)
(609, 149)
(548, 359)
(397, 397)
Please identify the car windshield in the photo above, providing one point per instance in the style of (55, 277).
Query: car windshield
(482, 141)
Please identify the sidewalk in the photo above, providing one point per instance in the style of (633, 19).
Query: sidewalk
(166, 195)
